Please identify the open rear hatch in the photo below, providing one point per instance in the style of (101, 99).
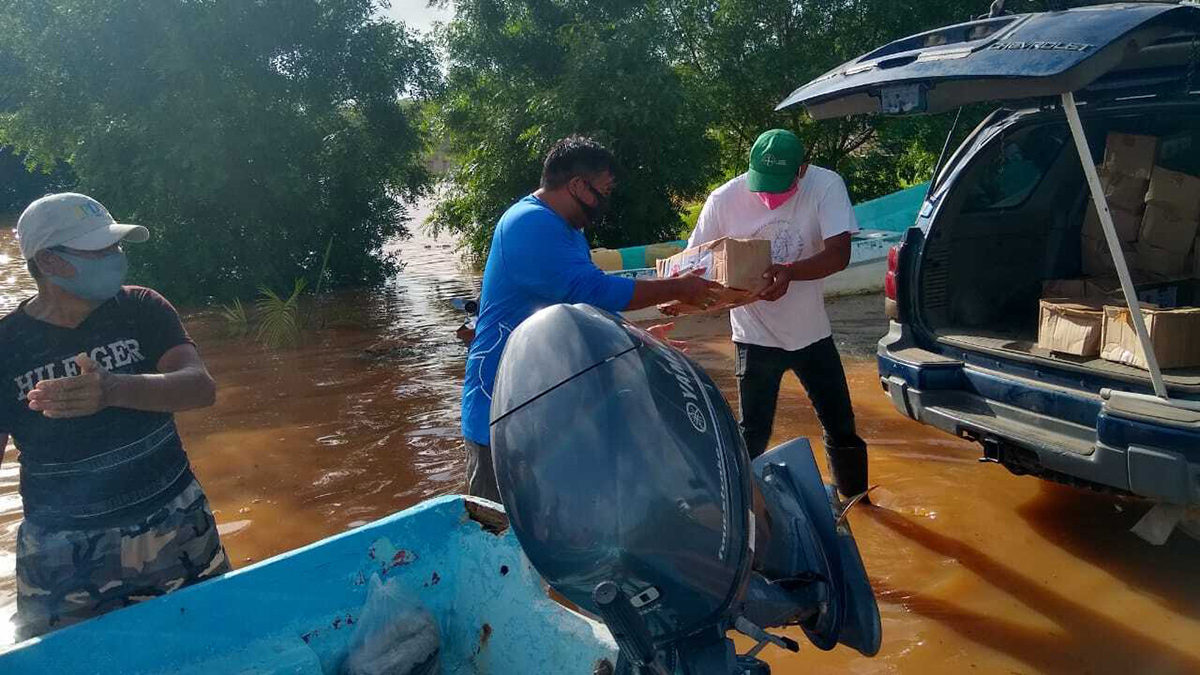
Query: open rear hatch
(1098, 53)
(1006, 58)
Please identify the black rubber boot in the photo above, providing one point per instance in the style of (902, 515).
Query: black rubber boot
(848, 466)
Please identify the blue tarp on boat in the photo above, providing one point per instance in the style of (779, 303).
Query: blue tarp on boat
(895, 212)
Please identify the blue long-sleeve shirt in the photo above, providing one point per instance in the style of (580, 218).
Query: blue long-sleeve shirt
(537, 259)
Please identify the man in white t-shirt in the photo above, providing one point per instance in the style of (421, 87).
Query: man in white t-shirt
(806, 214)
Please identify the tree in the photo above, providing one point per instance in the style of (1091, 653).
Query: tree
(19, 185)
(745, 56)
(247, 135)
(524, 73)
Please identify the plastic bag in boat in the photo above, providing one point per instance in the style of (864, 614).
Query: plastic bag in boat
(396, 635)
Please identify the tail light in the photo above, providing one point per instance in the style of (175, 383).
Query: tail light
(893, 266)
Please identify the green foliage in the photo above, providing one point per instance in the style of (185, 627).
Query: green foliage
(678, 88)
(691, 214)
(19, 185)
(279, 319)
(745, 56)
(246, 135)
(524, 73)
(237, 323)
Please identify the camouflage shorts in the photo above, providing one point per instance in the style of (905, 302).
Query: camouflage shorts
(66, 576)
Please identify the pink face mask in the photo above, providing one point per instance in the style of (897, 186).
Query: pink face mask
(774, 200)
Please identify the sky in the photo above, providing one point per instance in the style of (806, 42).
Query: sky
(417, 13)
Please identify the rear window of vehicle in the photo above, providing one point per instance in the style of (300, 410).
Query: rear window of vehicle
(1008, 172)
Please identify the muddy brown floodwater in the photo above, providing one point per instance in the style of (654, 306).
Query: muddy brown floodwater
(976, 570)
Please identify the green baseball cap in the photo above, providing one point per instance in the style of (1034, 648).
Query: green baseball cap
(775, 161)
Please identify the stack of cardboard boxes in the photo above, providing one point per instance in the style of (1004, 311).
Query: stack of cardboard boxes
(1087, 321)
(1125, 176)
(1156, 214)
(1165, 243)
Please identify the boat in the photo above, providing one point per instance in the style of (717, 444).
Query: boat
(669, 567)
(298, 612)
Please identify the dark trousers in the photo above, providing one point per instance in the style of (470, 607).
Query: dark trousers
(759, 372)
(481, 477)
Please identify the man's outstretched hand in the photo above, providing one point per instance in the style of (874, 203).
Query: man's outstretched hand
(697, 291)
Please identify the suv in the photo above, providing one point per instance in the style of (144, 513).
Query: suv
(1005, 213)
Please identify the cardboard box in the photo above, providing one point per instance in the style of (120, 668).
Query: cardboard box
(1176, 192)
(1065, 288)
(1124, 191)
(1127, 223)
(1097, 261)
(1174, 336)
(1070, 327)
(1088, 288)
(1166, 294)
(1109, 287)
(1130, 154)
(736, 264)
(1160, 263)
(1163, 228)
(607, 259)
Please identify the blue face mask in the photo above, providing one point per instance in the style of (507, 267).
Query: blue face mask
(96, 279)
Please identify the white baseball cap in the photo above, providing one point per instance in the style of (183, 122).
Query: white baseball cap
(72, 220)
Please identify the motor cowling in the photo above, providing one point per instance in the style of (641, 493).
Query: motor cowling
(619, 460)
(630, 490)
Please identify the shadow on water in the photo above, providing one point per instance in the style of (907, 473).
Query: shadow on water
(1086, 637)
(1095, 528)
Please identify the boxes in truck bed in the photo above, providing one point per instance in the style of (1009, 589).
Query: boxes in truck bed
(1127, 223)
(1066, 288)
(1131, 154)
(1070, 326)
(1174, 336)
(1097, 260)
(1165, 294)
(1159, 262)
(1123, 191)
(1176, 192)
(1163, 227)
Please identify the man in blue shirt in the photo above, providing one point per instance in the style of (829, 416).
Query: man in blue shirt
(540, 257)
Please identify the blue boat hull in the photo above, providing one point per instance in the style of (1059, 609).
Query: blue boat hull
(297, 612)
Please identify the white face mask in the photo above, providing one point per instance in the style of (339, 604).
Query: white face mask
(96, 279)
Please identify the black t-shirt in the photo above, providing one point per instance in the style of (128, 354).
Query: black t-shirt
(127, 335)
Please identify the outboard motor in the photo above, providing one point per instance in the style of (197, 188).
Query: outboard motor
(630, 490)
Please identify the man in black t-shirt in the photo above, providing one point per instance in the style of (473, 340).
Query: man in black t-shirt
(90, 374)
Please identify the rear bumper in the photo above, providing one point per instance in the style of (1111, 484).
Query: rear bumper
(1070, 432)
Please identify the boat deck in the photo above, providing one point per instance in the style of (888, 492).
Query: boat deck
(298, 612)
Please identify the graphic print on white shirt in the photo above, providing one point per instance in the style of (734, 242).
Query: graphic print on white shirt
(787, 245)
(797, 230)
